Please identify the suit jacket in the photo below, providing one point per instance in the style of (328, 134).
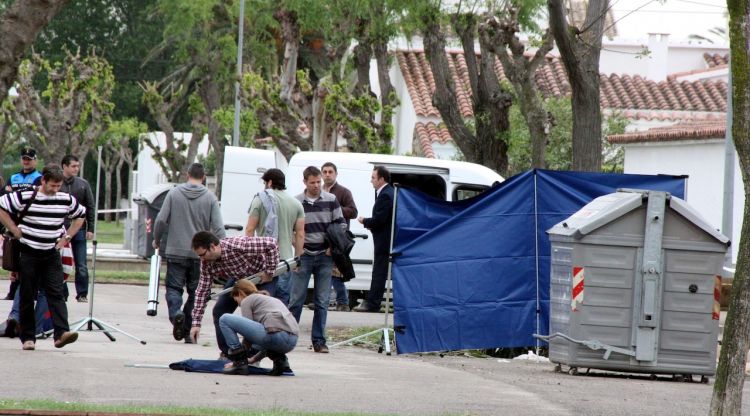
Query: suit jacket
(380, 222)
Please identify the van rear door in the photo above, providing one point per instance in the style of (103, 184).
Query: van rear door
(243, 168)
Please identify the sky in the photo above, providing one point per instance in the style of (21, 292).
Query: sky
(679, 18)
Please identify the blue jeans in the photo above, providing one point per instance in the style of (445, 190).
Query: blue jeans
(182, 273)
(40, 310)
(255, 333)
(78, 245)
(283, 283)
(320, 266)
(342, 297)
(225, 304)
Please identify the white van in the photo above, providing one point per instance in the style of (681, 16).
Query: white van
(444, 179)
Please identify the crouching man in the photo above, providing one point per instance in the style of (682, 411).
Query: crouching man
(225, 261)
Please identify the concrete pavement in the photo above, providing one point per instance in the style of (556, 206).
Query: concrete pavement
(349, 379)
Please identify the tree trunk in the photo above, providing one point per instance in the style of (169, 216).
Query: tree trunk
(290, 33)
(362, 57)
(580, 50)
(118, 183)
(19, 27)
(108, 165)
(209, 92)
(444, 98)
(730, 373)
(501, 36)
(491, 115)
(387, 92)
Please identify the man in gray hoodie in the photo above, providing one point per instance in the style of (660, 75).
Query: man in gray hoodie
(187, 209)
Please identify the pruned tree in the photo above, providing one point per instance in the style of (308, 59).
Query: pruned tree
(730, 373)
(71, 112)
(314, 100)
(121, 137)
(7, 138)
(579, 50)
(486, 143)
(500, 33)
(176, 155)
(19, 26)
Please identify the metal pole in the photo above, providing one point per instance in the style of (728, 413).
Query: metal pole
(236, 132)
(727, 220)
(94, 242)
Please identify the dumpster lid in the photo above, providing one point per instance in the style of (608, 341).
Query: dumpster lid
(150, 194)
(607, 208)
(597, 213)
(690, 214)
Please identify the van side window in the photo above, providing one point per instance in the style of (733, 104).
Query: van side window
(467, 191)
(432, 185)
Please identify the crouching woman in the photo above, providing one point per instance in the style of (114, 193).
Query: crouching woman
(265, 323)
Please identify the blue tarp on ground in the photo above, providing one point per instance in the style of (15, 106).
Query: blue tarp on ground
(474, 274)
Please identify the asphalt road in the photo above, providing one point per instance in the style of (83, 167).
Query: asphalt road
(349, 379)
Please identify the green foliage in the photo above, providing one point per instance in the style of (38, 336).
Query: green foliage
(122, 32)
(249, 124)
(129, 129)
(613, 156)
(209, 162)
(559, 145)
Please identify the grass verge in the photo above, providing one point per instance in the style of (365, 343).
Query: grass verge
(49, 405)
(110, 232)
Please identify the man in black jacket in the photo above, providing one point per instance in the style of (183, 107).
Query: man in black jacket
(380, 227)
(81, 190)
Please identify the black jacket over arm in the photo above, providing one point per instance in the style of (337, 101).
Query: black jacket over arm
(380, 222)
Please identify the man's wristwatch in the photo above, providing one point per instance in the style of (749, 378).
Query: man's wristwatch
(67, 237)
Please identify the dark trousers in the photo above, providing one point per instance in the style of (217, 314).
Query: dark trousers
(379, 278)
(78, 245)
(226, 304)
(41, 270)
(182, 273)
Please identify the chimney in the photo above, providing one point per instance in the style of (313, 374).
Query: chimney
(658, 46)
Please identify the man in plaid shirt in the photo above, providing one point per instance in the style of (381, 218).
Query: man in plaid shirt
(225, 261)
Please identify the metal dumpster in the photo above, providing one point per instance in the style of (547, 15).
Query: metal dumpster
(149, 204)
(634, 286)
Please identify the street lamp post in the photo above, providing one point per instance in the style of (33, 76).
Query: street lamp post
(236, 132)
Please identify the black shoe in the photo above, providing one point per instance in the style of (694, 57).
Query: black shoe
(10, 328)
(178, 327)
(321, 348)
(280, 363)
(239, 362)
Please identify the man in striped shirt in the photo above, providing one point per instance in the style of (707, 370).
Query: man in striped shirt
(42, 235)
(321, 210)
(225, 261)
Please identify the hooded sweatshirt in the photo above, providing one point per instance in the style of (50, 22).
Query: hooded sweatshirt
(187, 209)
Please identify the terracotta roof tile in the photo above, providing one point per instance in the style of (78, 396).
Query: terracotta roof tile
(716, 59)
(622, 92)
(428, 133)
(705, 71)
(692, 130)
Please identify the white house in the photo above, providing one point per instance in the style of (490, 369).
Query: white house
(695, 149)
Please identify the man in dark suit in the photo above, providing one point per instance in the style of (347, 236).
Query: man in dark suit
(380, 227)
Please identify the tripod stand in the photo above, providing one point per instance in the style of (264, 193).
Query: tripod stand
(90, 321)
(386, 331)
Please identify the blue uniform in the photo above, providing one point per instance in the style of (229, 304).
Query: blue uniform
(21, 181)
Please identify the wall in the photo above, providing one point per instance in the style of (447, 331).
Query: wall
(703, 161)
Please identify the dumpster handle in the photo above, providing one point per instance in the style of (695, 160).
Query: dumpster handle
(593, 344)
